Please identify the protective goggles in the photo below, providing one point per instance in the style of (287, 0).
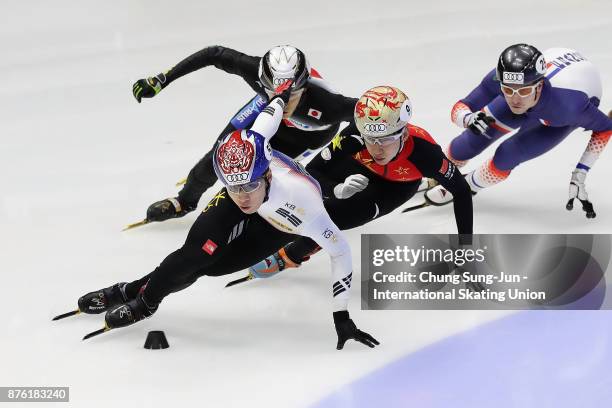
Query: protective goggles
(523, 91)
(246, 187)
(384, 140)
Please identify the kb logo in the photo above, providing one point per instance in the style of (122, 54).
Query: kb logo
(233, 178)
(375, 127)
(514, 78)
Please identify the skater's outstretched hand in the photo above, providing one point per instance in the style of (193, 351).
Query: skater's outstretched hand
(352, 184)
(577, 189)
(478, 122)
(346, 330)
(149, 87)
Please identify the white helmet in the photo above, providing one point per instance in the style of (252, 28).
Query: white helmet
(382, 111)
(281, 63)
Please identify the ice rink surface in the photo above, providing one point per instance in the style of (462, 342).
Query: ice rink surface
(79, 159)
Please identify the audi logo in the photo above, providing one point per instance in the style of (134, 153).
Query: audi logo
(279, 81)
(514, 77)
(375, 127)
(232, 178)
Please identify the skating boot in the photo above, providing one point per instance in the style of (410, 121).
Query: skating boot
(101, 300)
(129, 313)
(166, 209)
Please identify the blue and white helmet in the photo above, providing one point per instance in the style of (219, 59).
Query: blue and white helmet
(242, 156)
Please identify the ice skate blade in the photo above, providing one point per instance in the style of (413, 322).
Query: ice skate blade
(136, 224)
(68, 314)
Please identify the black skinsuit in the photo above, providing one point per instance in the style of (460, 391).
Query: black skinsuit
(315, 121)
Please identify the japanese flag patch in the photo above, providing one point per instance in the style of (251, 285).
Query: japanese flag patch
(314, 113)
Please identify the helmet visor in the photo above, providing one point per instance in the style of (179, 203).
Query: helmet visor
(523, 91)
(384, 140)
(248, 188)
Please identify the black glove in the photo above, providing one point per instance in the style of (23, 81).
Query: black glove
(346, 329)
(169, 208)
(148, 88)
(478, 122)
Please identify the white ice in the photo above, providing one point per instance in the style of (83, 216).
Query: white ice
(79, 159)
